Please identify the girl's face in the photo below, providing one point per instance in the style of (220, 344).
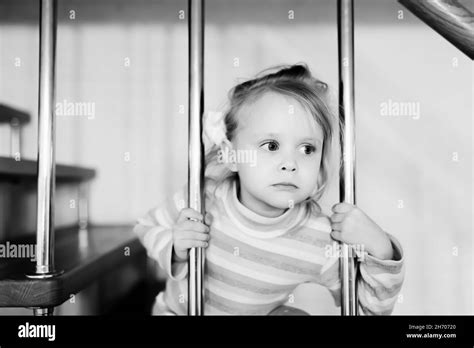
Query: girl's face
(285, 143)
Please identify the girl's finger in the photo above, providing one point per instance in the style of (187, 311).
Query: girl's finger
(208, 218)
(336, 235)
(194, 236)
(189, 213)
(336, 226)
(337, 217)
(191, 243)
(194, 226)
(342, 207)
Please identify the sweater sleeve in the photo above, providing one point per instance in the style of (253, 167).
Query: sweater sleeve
(378, 283)
(154, 230)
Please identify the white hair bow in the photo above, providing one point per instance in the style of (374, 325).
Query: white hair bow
(214, 129)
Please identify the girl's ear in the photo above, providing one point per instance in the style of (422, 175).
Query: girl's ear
(227, 156)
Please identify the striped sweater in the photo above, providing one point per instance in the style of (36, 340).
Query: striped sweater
(254, 263)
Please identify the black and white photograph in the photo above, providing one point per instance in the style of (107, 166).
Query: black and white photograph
(245, 159)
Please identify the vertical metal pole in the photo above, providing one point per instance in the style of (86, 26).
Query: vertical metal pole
(195, 164)
(46, 139)
(15, 138)
(83, 215)
(83, 205)
(349, 305)
(39, 312)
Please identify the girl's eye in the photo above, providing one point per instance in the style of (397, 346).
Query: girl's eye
(272, 145)
(309, 149)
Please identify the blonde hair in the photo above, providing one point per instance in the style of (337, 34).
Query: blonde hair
(294, 81)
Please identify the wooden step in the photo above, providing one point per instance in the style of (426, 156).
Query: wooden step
(108, 248)
(12, 170)
(7, 114)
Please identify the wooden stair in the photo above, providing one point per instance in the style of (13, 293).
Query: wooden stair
(12, 170)
(110, 255)
(7, 114)
(108, 248)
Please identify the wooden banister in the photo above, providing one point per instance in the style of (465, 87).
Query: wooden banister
(449, 18)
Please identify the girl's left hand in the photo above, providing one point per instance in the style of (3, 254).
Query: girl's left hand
(351, 225)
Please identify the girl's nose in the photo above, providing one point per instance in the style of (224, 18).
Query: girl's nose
(289, 166)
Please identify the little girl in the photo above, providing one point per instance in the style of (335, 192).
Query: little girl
(267, 165)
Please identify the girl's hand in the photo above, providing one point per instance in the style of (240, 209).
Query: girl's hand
(189, 234)
(352, 226)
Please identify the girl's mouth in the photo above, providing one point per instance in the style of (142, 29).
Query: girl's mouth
(285, 186)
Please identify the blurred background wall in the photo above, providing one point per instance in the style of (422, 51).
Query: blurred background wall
(128, 61)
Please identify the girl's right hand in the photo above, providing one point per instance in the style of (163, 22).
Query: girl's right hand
(188, 233)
